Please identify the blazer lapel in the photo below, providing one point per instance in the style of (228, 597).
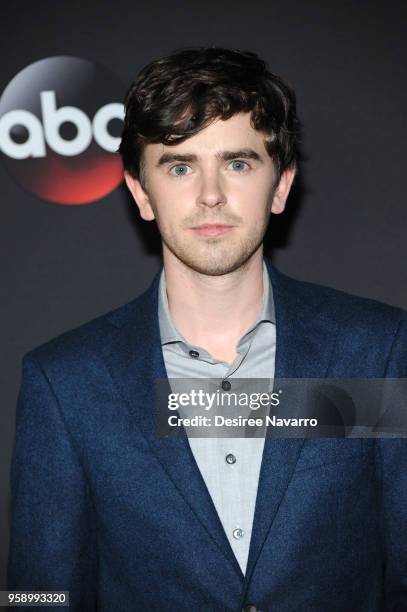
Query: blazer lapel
(305, 335)
(135, 361)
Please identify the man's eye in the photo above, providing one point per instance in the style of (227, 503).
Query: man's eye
(180, 170)
(239, 165)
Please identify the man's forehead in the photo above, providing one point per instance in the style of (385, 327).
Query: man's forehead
(220, 138)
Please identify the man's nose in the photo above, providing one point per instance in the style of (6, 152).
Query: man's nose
(211, 192)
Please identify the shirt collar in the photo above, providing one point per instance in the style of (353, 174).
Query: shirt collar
(168, 331)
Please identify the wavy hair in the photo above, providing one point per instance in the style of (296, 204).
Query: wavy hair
(176, 96)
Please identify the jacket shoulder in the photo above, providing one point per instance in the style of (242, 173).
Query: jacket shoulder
(93, 336)
(340, 304)
(88, 338)
(370, 337)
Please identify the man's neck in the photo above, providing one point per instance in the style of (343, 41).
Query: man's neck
(214, 311)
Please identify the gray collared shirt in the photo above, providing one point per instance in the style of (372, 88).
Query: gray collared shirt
(229, 466)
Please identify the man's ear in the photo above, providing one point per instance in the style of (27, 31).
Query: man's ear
(282, 190)
(140, 197)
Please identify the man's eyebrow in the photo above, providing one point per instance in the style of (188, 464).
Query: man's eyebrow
(246, 153)
(170, 157)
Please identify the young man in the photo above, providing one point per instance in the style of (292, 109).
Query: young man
(126, 520)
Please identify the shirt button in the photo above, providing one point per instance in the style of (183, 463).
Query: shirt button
(238, 533)
(230, 459)
(250, 608)
(194, 354)
(226, 385)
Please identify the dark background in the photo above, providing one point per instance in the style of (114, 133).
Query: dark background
(346, 220)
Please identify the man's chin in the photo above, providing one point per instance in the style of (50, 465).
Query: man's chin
(215, 266)
(213, 257)
(214, 270)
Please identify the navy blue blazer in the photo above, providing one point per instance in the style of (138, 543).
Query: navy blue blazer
(122, 519)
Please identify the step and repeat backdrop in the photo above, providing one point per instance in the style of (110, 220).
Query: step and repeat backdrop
(73, 246)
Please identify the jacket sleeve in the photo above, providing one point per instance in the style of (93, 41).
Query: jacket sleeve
(52, 537)
(391, 461)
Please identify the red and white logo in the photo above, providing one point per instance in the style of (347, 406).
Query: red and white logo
(60, 127)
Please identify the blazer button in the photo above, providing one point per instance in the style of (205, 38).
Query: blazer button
(250, 608)
(226, 386)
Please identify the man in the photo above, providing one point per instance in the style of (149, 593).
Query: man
(127, 520)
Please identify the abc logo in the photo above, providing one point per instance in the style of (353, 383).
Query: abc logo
(53, 118)
(60, 126)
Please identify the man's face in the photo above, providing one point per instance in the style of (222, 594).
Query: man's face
(222, 177)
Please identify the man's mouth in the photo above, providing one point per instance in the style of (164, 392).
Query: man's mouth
(211, 229)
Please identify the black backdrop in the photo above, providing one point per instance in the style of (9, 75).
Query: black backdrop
(346, 223)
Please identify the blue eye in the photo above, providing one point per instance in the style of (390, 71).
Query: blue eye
(239, 165)
(180, 170)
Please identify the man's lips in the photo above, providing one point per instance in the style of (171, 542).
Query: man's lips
(211, 229)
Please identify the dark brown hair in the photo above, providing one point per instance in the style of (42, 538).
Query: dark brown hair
(176, 96)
